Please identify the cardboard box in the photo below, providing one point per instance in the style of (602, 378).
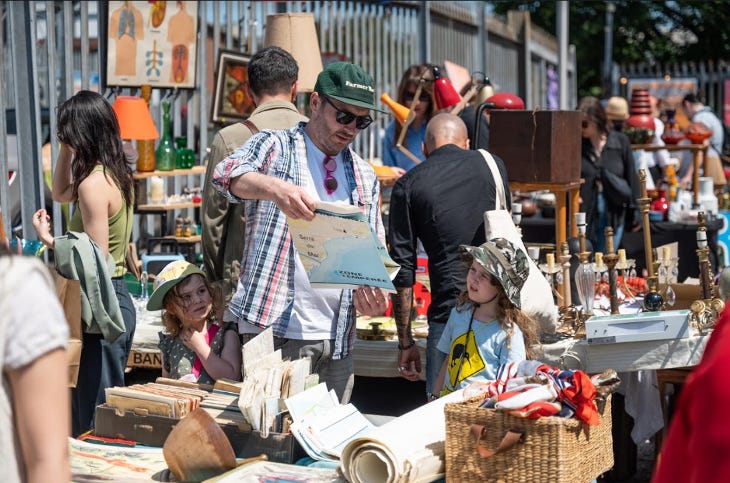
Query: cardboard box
(153, 430)
(537, 147)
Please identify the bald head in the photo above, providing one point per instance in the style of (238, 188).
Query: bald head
(445, 129)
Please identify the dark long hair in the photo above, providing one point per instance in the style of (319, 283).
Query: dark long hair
(87, 124)
(595, 112)
(411, 78)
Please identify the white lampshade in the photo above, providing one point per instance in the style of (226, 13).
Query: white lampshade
(297, 34)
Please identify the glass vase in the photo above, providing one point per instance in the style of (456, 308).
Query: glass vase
(180, 159)
(146, 148)
(166, 153)
(585, 279)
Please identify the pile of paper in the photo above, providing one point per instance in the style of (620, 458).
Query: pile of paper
(321, 425)
(268, 380)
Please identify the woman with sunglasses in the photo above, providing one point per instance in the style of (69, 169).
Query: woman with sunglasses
(605, 158)
(424, 110)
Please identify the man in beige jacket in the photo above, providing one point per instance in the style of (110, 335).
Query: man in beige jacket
(272, 85)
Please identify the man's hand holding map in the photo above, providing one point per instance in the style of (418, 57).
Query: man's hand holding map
(339, 250)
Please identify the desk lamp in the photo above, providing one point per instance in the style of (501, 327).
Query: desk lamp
(500, 100)
(135, 122)
(443, 90)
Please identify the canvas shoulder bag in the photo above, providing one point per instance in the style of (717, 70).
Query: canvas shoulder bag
(536, 296)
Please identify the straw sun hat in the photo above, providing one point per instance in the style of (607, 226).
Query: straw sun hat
(617, 109)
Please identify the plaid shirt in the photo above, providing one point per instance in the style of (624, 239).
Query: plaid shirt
(265, 293)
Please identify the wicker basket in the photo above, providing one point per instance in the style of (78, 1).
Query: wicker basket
(552, 449)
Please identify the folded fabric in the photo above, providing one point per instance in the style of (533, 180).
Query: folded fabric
(520, 399)
(521, 387)
(537, 409)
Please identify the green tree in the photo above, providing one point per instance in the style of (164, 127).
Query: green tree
(644, 31)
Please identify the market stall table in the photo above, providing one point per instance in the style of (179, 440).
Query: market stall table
(537, 229)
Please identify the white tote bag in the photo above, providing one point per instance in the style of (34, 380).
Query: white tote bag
(536, 296)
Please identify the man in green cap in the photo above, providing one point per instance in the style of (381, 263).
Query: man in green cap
(285, 173)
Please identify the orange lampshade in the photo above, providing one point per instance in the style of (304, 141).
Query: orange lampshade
(135, 121)
(400, 111)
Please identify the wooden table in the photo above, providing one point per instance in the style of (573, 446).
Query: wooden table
(572, 189)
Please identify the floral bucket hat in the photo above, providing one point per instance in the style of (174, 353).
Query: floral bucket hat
(505, 262)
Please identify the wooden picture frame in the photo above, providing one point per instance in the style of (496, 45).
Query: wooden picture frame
(152, 43)
(230, 99)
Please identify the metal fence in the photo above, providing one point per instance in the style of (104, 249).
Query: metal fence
(710, 77)
(51, 49)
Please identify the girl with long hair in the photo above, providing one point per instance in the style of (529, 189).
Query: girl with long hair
(92, 171)
(195, 346)
(487, 328)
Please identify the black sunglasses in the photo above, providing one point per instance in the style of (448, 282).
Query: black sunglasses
(346, 117)
(584, 124)
(408, 97)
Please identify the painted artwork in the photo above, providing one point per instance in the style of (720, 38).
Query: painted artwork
(231, 101)
(152, 42)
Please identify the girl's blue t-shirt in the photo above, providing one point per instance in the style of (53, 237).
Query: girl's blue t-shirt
(483, 352)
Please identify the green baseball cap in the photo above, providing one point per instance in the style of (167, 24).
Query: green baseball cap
(347, 83)
(505, 262)
(173, 273)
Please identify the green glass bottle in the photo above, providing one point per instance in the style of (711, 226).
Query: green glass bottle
(166, 153)
(182, 147)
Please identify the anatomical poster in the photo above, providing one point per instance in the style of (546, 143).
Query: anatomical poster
(152, 43)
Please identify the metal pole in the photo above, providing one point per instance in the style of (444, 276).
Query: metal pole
(608, 49)
(22, 26)
(4, 202)
(562, 34)
(424, 33)
(58, 227)
(483, 38)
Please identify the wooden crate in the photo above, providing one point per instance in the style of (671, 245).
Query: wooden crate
(539, 146)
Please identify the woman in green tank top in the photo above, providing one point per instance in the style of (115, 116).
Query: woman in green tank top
(92, 171)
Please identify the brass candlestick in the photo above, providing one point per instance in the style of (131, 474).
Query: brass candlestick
(653, 299)
(565, 263)
(703, 254)
(550, 268)
(704, 312)
(611, 259)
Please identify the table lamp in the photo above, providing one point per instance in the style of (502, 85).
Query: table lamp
(135, 122)
(297, 34)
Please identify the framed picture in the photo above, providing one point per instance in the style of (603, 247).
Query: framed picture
(152, 43)
(230, 101)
